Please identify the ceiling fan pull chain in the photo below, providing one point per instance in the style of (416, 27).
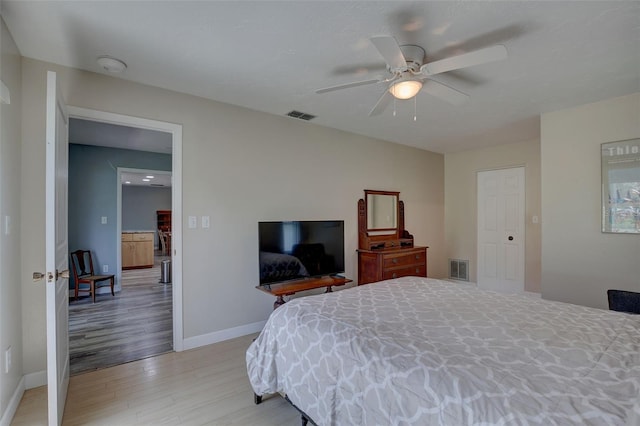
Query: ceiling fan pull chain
(394, 106)
(415, 108)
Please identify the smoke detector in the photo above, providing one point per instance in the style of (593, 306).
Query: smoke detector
(110, 64)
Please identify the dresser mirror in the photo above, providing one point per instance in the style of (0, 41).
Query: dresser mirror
(385, 247)
(382, 210)
(381, 220)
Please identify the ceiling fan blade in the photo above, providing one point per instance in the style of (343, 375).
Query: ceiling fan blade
(382, 103)
(390, 51)
(347, 86)
(482, 56)
(444, 92)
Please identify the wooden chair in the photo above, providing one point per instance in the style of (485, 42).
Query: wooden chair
(163, 242)
(82, 268)
(624, 301)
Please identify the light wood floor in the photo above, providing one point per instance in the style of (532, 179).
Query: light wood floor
(204, 386)
(135, 323)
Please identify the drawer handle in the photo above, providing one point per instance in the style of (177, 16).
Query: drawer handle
(395, 275)
(417, 256)
(417, 270)
(395, 260)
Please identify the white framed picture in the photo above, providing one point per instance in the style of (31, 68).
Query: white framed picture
(621, 186)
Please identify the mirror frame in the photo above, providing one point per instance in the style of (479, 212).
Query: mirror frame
(396, 194)
(375, 239)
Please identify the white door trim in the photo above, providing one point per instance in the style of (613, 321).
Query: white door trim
(176, 200)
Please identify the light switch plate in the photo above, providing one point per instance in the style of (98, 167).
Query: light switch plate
(103, 220)
(205, 221)
(193, 222)
(7, 225)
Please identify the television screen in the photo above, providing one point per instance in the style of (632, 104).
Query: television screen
(300, 249)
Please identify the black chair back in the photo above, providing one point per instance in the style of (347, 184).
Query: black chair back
(624, 301)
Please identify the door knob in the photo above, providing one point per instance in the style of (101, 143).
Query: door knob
(62, 274)
(510, 238)
(37, 276)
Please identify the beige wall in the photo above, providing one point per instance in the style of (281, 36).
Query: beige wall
(461, 233)
(10, 284)
(579, 262)
(239, 167)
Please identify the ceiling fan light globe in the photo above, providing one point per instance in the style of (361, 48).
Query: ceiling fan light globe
(406, 89)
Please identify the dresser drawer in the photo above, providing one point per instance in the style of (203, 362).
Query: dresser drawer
(378, 265)
(127, 236)
(148, 236)
(409, 271)
(403, 259)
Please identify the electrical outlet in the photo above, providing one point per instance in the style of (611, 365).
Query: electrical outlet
(105, 268)
(7, 360)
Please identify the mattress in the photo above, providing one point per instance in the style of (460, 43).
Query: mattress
(419, 351)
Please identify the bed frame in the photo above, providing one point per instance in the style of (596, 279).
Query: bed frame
(304, 417)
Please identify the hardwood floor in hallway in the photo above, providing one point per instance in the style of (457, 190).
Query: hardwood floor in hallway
(134, 324)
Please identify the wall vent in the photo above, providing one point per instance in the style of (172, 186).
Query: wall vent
(459, 269)
(301, 115)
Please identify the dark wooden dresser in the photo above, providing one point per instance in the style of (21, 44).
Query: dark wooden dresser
(387, 263)
(386, 248)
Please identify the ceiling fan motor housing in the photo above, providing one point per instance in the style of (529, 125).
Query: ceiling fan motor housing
(414, 56)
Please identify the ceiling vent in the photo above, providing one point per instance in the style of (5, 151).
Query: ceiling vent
(301, 115)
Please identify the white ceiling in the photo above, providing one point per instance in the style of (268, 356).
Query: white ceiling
(87, 132)
(271, 56)
(157, 179)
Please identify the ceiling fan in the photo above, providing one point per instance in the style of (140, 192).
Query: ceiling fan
(409, 74)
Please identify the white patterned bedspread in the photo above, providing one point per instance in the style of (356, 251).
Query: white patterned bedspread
(419, 351)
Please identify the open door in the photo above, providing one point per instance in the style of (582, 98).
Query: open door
(56, 247)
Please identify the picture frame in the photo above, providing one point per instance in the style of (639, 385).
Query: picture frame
(620, 168)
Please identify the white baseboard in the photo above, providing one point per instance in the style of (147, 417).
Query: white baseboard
(14, 402)
(532, 294)
(34, 380)
(219, 336)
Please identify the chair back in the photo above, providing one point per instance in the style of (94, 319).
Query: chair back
(82, 263)
(624, 301)
(162, 237)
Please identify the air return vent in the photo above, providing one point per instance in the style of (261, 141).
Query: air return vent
(301, 115)
(459, 269)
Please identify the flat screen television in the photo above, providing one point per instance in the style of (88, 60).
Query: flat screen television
(300, 249)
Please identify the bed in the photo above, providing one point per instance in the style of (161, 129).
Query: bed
(420, 351)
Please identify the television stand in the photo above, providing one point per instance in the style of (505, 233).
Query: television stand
(288, 288)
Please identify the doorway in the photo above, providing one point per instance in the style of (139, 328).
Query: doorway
(501, 236)
(170, 296)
